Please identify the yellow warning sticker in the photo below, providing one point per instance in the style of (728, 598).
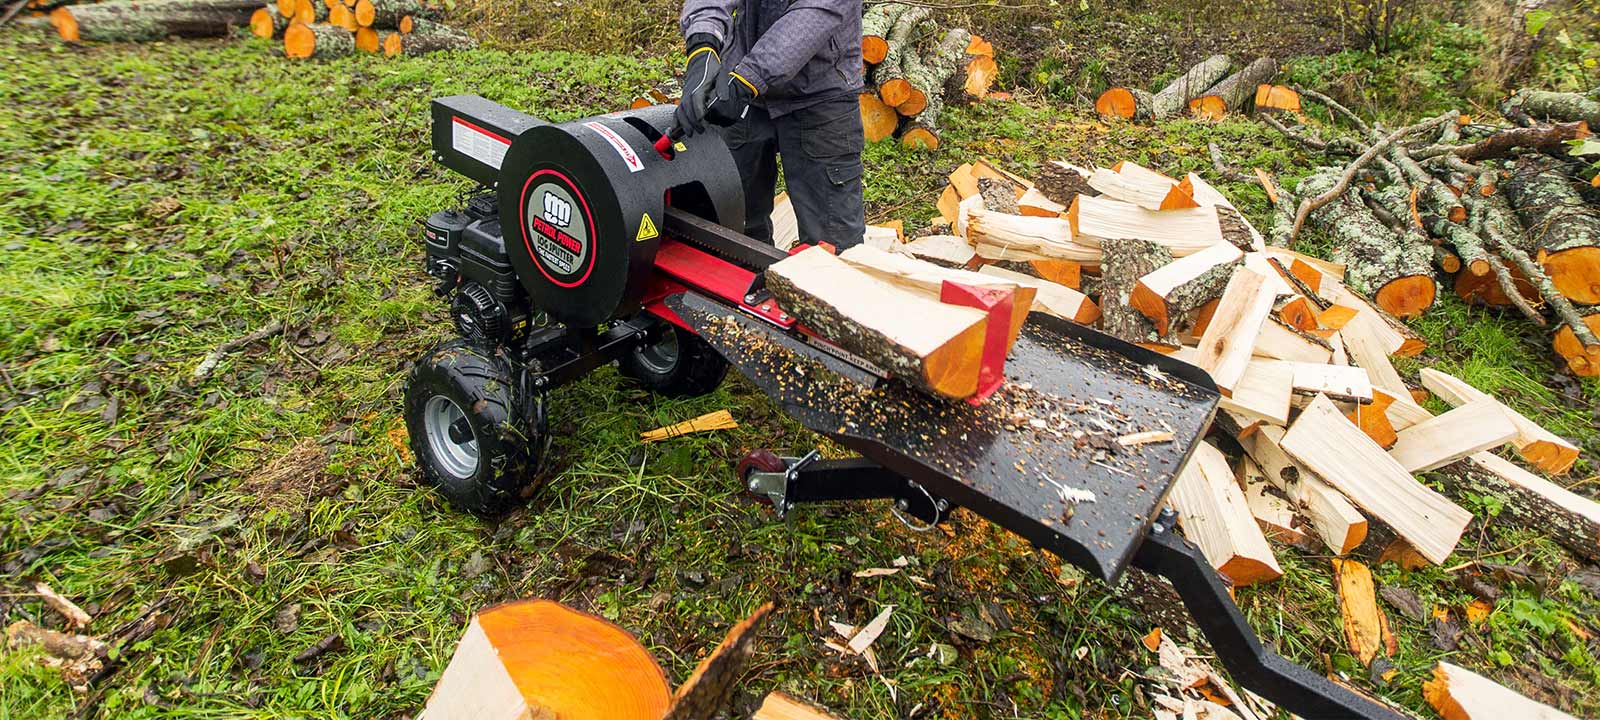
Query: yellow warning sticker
(647, 229)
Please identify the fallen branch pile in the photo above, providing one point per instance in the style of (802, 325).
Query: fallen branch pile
(329, 28)
(913, 72)
(1207, 90)
(1497, 211)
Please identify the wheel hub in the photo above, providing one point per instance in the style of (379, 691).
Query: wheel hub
(450, 437)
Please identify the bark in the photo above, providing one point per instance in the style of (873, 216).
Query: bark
(1172, 98)
(1562, 231)
(1558, 106)
(709, 688)
(998, 196)
(1582, 361)
(1236, 92)
(1434, 201)
(1523, 508)
(1551, 138)
(1060, 184)
(928, 74)
(1235, 229)
(1494, 215)
(1391, 268)
(318, 41)
(875, 25)
(267, 22)
(427, 36)
(1127, 260)
(922, 131)
(128, 21)
(890, 74)
(971, 80)
(387, 14)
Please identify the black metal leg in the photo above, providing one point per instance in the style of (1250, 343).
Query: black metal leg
(808, 480)
(1263, 671)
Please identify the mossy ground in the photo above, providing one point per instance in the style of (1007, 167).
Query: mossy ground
(159, 200)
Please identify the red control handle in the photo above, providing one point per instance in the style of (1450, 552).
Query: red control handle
(664, 143)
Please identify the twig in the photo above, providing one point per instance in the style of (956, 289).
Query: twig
(1335, 106)
(1543, 138)
(209, 363)
(1310, 142)
(1508, 285)
(12, 11)
(1308, 205)
(1222, 166)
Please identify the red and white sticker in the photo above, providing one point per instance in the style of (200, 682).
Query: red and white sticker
(629, 157)
(477, 143)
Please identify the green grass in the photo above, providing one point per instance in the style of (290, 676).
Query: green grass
(158, 201)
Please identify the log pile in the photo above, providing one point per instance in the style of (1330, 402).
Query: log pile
(1206, 90)
(1498, 213)
(148, 20)
(331, 28)
(913, 71)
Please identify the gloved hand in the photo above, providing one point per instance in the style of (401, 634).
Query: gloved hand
(730, 101)
(699, 81)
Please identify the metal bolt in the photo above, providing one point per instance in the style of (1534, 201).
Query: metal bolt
(750, 299)
(941, 505)
(754, 485)
(783, 317)
(902, 505)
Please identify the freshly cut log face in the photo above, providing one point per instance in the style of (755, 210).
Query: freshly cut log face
(1564, 230)
(1323, 440)
(1341, 527)
(1225, 348)
(1185, 284)
(1184, 232)
(928, 279)
(1582, 361)
(876, 22)
(267, 22)
(1466, 430)
(1136, 104)
(1279, 98)
(1390, 334)
(1052, 298)
(1460, 694)
(305, 41)
(878, 121)
(1214, 514)
(1544, 449)
(1234, 93)
(541, 659)
(1393, 268)
(924, 342)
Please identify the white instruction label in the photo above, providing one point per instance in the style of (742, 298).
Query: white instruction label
(629, 157)
(477, 143)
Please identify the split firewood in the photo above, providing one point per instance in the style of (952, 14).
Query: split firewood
(1366, 627)
(1127, 103)
(1476, 426)
(1563, 231)
(1052, 298)
(1002, 236)
(1149, 190)
(1335, 381)
(1323, 440)
(1183, 285)
(890, 74)
(780, 706)
(1378, 262)
(1125, 261)
(425, 37)
(1373, 419)
(1558, 106)
(1270, 506)
(928, 279)
(1281, 342)
(876, 22)
(1460, 694)
(305, 41)
(268, 22)
(942, 352)
(131, 21)
(1340, 526)
(785, 226)
(945, 250)
(999, 196)
(1263, 392)
(1203, 193)
(1234, 93)
(390, 13)
(1227, 343)
(1544, 449)
(718, 420)
(1214, 515)
(1034, 203)
(709, 689)
(1388, 332)
(1183, 232)
(1531, 502)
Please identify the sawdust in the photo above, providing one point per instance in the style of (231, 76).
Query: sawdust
(294, 480)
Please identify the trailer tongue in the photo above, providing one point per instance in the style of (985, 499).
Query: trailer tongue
(595, 247)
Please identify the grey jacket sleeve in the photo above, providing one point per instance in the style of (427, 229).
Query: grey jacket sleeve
(793, 40)
(712, 17)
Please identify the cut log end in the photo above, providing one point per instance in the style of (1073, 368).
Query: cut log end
(895, 92)
(286, 8)
(341, 16)
(261, 24)
(920, 139)
(874, 49)
(299, 42)
(367, 40)
(406, 24)
(1408, 296)
(878, 120)
(1576, 273)
(1208, 107)
(1277, 98)
(1118, 103)
(981, 71)
(1584, 362)
(393, 45)
(65, 24)
(365, 13)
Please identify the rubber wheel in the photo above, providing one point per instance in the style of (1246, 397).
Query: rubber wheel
(679, 365)
(474, 442)
(758, 461)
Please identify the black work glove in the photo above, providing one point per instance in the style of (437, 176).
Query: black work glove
(730, 101)
(699, 81)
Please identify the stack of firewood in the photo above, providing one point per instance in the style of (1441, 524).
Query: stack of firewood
(912, 72)
(1499, 212)
(328, 28)
(1207, 90)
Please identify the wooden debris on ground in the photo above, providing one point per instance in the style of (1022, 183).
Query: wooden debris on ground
(1460, 694)
(778, 705)
(74, 615)
(717, 420)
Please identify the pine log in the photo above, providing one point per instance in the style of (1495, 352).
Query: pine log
(1341, 527)
(1558, 106)
(941, 352)
(1061, 182)
(1529, 501)
(1051, 298)
(1001, 236)
(1460, 694)
(1226, 346)
(137, 21)
(1183, 232)
(1214, 515)
(1135, 104)
(878, 121)
(890, 74)
(928, 279)
(1540, 447)
(540, 659)
(1183, 285)
(389, 13)
(1323, 440)
(321, 41)
(425, 37)
(876, 22)
(267, 22)
(1563, 231)
(1127, 260)
(1234, 93)
(1474, 427)
(1378, 262)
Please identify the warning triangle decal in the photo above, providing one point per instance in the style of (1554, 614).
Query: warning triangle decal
(647, 229)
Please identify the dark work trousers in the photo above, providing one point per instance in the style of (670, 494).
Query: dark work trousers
(821, 149)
